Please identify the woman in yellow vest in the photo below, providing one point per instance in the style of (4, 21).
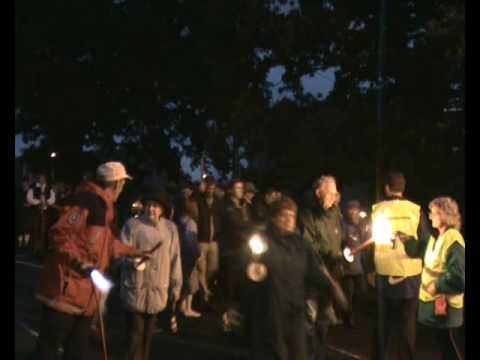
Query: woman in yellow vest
(443, 276)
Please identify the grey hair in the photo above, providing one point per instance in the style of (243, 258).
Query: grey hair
(323, 179)
(449, 207)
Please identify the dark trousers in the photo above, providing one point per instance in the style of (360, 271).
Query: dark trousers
(39, 231)
(399, 329)
(71, 332)
(286, 340)
(318, 324)
(355, 288)
(448, 343)
(140, 328)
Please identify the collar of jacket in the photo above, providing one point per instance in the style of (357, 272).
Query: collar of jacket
(232, 203)
(319, 210)
(89, 186)
(286, 240)
(393, 197)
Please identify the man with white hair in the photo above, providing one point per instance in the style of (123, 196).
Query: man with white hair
(321, 226)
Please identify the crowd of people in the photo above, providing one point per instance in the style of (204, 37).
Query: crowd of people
(271, 269)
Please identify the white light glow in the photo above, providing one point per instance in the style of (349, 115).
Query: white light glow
(382, 231)
(53, 155)
(257, 245)
(101, 282)
(347, 254)
(363, 214)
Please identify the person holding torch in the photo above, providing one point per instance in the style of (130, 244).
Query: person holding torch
(398, 276)
(321, 225)
(443, 276)
(279, 265)
(81, 248)
(145, 284)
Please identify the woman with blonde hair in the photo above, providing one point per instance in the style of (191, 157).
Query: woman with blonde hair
(443, 277)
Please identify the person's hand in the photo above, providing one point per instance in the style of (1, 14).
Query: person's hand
(431, 288)
(136, 253)
(401, 236)
(371, 279)
(83, 268)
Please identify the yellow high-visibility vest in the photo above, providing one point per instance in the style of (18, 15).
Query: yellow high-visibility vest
(435, 264)
(404, 216)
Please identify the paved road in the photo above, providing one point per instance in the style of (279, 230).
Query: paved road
(201, 338)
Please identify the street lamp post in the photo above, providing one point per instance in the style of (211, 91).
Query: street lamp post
(53, 155)
(379, 169)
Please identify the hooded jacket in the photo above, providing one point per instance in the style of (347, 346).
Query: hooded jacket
(83, 234)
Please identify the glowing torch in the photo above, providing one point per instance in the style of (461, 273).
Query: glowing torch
(256, 270)
(382, 234)
(100, 281)
(136, 208)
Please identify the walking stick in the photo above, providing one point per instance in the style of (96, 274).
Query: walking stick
(102, 328)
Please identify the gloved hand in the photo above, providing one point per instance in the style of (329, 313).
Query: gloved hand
(135, 253)
(336, 290)
(83, 268)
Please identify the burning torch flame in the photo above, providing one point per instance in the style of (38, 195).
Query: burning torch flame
(382, 231)
(101, 282)
(257, 245)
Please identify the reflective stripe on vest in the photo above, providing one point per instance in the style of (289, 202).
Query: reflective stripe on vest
(404, 216)
(436, 265)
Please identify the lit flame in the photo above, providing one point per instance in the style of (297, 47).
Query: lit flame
(382, 231)
(101, 282)
(257, 245)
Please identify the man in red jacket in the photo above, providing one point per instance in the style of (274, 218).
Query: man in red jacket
(80, 240)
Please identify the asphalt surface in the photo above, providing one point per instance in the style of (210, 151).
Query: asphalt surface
(197, 338)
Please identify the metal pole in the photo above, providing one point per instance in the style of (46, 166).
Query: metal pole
(379, 168)
(380, 100)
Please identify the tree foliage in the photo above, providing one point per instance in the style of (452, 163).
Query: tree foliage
(89, 73)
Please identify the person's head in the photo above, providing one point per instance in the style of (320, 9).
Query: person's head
(353, 212)
(250, 191)
(41, 179)
(202, 186)
(219, 193)
(338, 199)
(156, 205)
(325, 189)
(210, 186)
(186, 191)
(395, 184)
(271, 195)
(237, 189)
(112, 176)
(283, 215)
(444, 213)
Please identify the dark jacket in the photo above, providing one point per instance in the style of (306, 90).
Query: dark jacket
(206, 215)
(324, 230)
(236, 222)
(354, 236)
(275, 308)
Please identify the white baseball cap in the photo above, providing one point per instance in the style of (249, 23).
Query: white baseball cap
(112, 171)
